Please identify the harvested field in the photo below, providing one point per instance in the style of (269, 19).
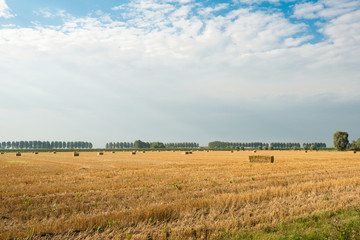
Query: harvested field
(261, 159)
(163, 195)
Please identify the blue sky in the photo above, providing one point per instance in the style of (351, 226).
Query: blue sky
(179, 70)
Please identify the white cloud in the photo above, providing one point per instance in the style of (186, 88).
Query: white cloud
(326, 9)
(308, 10)
(217, 8)
(241, 42)
(5, 11)
(44, 13)
(257, 1)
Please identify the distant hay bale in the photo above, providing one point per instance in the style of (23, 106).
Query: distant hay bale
(76, 154)
(261, 159)
(18, 154)
(186, 153)
(113, 152)
(231, 151)
(54, 152)
(100, 153)
(2, 153)
(36, 153)
(254, 151)
(354, 151)
(143, 151)
(305, 151)
(133, 153)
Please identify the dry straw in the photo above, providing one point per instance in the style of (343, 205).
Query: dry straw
(261, 159)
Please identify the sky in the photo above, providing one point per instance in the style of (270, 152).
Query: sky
(179, 70)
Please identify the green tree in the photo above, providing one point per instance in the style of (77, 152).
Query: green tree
(157, 145)
(341, 140)
(354, 145)
(313, 147)
(141, 144)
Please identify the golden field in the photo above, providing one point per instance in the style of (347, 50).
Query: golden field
(168, 195)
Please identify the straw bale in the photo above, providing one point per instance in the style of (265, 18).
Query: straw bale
(76, 154)
(261, 159)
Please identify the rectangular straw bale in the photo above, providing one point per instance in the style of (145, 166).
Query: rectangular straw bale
(100, 153)
(261, 159)
(18, 154)
(76, 154)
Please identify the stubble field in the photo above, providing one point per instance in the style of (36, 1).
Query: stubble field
(169, 195)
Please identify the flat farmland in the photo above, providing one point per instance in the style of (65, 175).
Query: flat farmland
(169, 195)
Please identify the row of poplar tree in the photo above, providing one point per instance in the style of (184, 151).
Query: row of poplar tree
(141, 144)
(275, 145)
(119, 145)
(45, 145)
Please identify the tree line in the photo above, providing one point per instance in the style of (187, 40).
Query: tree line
(220, 144)
(260, 145)
(316, 145)
(45, 145)
(119, 145)
(141, 144)
(278, 145)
